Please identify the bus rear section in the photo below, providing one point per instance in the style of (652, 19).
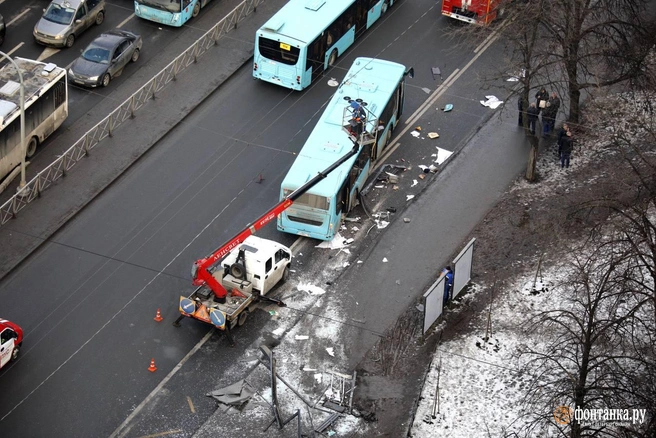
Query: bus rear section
(364, 110)
(46, 108)
(169, 12)
(305, 38)
(471, 11)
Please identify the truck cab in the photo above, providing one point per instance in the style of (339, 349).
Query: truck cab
(256, 263)
(11, 338)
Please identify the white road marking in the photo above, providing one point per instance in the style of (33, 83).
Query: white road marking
(47, 53)
(18, 17)
(125, 21)
(15, 48)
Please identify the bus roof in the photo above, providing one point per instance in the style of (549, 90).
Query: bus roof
(304, 20)
(37, 77)
(373, 81)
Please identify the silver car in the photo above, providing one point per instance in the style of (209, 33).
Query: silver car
(105, 58)
(64, 20)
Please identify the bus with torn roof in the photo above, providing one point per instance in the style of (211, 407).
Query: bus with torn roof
(364, 110)
(305, 37)
(46, 108)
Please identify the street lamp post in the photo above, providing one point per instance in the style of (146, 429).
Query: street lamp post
(21, 186)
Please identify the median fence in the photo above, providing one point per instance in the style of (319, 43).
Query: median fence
(434, 296)
(124, 112)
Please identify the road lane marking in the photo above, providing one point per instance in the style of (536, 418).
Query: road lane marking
(122, 430)
(191, 405)
(15, 48)
(18, 17)
(125, 21)
(155, 435)
(47, 53)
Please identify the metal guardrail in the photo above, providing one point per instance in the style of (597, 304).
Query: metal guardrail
(125, 111)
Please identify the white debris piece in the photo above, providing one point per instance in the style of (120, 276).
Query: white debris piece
(346, 265)
(381, 224)
(330, 351)
(309, 369)
(409, 197)
(279, 331)
(310, 288)
(350, 240)
(359, 261)
(301, 337)
(491, 102)
(414, 183)
(385, 260)
(345, 250)
(332, 82)
(354, 228)
(337, 242)
(415, 133)
(318, 377)
(442, 155)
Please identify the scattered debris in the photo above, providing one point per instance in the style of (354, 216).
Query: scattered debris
(234, 394)
(406, 220)
(492, 102)
(332, 82)
(359, 261)
(337, 242)
(417, 128)
(354, 229)
(352, 219)
(433, 135)
(330, 351)
(311, 289)
(448, 107)
(398, 282)
(301, 337)
(420, 307)
(421, 176)
(279, 331)
(391, 209)
(309, 369)
(385, 260)
(409, 197)
(391, 178)
(415, 133)
(442, 155)
(349, 241)
(414, 183)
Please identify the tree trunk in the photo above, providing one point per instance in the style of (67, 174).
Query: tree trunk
(532, 158)
(574, 96)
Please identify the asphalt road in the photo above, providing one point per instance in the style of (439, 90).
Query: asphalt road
(87, 299)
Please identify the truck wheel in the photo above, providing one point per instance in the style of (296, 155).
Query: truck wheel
(243, 316)
(237, 270)
(14, 354)
(285, 274)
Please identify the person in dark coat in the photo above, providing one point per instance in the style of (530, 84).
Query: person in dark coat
(541, 95)
(566, 149)
(520, 108)
(549, 114)
(561, 134)
(532, 115)
(448, 285)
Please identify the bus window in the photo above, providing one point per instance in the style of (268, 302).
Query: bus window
(278, 51)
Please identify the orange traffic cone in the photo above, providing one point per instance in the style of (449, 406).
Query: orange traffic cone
(158, 317)
(152, 368)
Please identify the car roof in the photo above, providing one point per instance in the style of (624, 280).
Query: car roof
(68, 3)
(108, 40)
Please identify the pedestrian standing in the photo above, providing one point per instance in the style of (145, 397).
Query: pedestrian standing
(520, 108)
(541, 97)
(566, 150)
(561, 134)
(532, 115)
(549, 115)
(448, 285)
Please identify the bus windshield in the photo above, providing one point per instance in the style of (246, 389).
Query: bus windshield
(165, 5)
(278, 51)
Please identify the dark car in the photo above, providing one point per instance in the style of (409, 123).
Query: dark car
(3, 29)
(105, 58)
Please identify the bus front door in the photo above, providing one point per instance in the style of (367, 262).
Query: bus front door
(187, 10)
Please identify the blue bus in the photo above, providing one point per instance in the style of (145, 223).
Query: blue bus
(305, 38)
(169, 12)
(365, 109)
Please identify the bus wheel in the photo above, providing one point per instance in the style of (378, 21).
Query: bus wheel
(196, 9)
(106, 79)
(100, 18)
(31, 147)
(70, 40)
(333, 58)
(243, 316)
(385, 7)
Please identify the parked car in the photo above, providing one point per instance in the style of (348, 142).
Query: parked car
(3, 29)
(11, 338)
(64, 20)
(105, 58)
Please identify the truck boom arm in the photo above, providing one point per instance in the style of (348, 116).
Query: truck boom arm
(200, 271)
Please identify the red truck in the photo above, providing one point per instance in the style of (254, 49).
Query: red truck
(11, 338)
(472, 11)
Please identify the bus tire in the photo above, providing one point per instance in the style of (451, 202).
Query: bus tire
(237, 270)
(106, 80)
(70, 40)
(388, 138)
(100, 18)
(243, 316)
(385, 7)
(32, 144)
(332, 59)
(196, 10)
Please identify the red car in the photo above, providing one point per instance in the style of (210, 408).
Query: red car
(11, 338)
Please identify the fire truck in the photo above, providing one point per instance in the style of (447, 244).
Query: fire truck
(243, 270)
(472, 11)
(11, 338)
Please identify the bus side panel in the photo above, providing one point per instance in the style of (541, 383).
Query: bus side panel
(341, 45)
(374, 13)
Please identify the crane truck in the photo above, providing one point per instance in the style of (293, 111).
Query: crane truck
(249, 267)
